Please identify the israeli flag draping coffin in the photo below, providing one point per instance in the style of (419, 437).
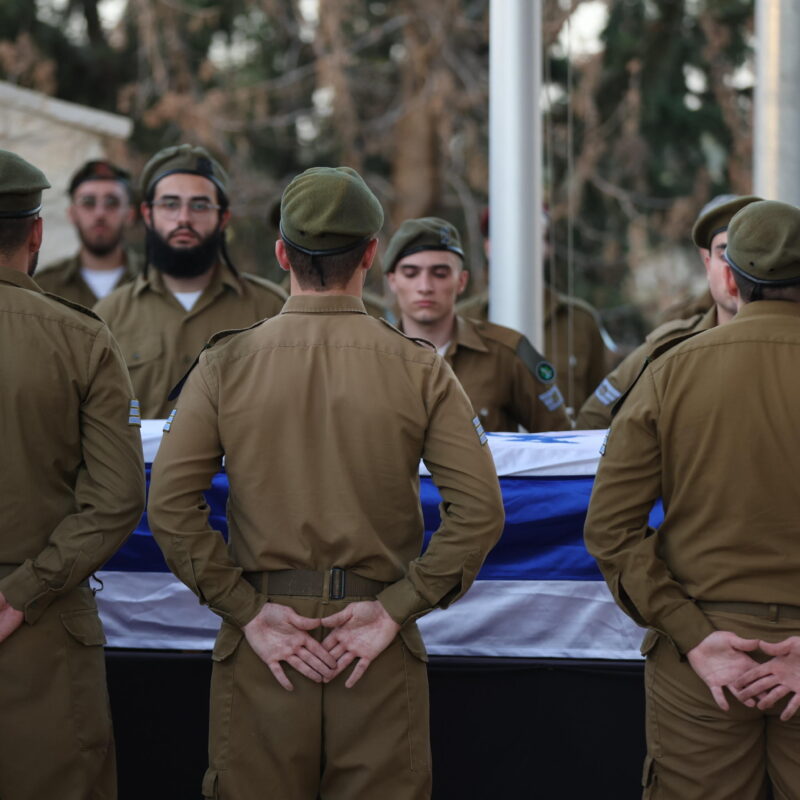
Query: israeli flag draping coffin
(539, 594)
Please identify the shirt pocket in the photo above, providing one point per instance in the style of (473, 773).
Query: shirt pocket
(142, 351)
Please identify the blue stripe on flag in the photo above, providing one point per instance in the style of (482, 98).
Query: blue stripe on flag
(542, 539)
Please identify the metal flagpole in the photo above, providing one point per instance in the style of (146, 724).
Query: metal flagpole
(776, 155)
(515, 144)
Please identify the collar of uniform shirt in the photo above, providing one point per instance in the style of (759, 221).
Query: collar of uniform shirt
(337, 303)
(152, 279)
(467, 336)
(17, 278)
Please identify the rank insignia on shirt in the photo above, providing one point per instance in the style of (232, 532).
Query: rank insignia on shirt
(170, 418)
(482, 438)
(135, 414)
(552, 398)
(545, 371)
(607, 393)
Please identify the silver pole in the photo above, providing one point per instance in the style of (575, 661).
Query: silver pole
(776, 155)
(515, 142)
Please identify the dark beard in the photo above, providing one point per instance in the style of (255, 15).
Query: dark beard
(185, 262)
(99, 250)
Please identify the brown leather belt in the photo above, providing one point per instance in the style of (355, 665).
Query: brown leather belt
(333, 584)
(770, 611)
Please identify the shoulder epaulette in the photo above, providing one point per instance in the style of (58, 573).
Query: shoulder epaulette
(657, 351)
(71, 304)
(419, 341)
(498, 333)
(217, 337)
(265, 284)
(673, 327)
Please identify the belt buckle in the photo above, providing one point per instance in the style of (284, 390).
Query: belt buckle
(336, 584)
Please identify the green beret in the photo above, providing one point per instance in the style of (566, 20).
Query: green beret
(329, 210)
(184, 158)
(21, 186)
(416, 235)
(715, 217)
(99, 170)
(764, 243)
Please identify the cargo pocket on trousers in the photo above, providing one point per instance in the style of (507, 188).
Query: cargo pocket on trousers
(416, 679)
(211, 785)
(87, 671)
(223, 685)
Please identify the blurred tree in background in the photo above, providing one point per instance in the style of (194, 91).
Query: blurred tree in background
(639, 132)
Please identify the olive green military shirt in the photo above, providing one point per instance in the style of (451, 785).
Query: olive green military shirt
(160, 339)
(573, 342)
(71, 470)
(508, 382)
(712, 428)
(64, 278)
(596, 412)
(336, 483)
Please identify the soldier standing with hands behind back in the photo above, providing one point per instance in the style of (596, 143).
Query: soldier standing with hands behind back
(325, 527)
(712, 427)
(73, 488)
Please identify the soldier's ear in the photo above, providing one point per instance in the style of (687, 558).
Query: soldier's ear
(35, 236)
(463, 280)
(224, 217)
(280, 255)
(730, 282)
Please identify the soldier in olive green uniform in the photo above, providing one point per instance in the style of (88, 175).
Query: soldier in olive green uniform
(73, 489)
(712, 428)
(508, 381)
(574, 339)
(710, 237)
(100, 195)
(324, 519)
(189, 290)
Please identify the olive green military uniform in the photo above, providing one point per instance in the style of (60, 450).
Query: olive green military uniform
(73, 489)
(160, 339)
(64, 278)
(334, 485)
(597, 410)
(687, 308)
(507, 381)
(572, 342)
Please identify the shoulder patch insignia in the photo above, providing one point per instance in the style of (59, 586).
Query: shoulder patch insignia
(135, 414)
(545, 371)
(552, 398)
(482, 438)
(607, 393)
(536, 363)
(170, 419)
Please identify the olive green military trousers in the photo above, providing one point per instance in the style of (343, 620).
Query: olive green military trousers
(319, 741)
(696, 751)
(56, 739)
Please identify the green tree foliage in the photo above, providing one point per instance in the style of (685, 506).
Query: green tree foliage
(638, 136)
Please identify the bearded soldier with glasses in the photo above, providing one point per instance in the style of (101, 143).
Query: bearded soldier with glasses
(189, 289)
